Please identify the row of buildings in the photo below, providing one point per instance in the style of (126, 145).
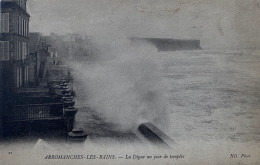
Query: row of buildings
(34, 85)
(72, 46)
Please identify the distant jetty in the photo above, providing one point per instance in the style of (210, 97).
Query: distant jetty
(167, 44)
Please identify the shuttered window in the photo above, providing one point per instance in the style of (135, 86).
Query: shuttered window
(18, 22)
(4, 50)
(23, 27)
(4, 22)
(20, 25)
(19, 79)
(17, 50)
(20, 51)
(20, 76)
(24, 50)
(27, 73)
(27, 28)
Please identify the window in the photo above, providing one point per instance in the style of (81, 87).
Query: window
(23, 27)
(19, 80)
(24, 50)
(4, 22)
(4, 50)
(27, 73)
(20, 51)
(18, 56)
(27, 28)
(17, 77)
(17, 50)
(19, 25)
(20, 77)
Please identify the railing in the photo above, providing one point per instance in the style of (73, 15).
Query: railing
(34, 112)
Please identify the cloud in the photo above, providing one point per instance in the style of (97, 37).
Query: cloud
(217, 23)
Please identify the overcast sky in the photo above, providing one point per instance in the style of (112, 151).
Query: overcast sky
(217, 23)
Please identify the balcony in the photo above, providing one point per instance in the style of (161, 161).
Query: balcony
(53, 111)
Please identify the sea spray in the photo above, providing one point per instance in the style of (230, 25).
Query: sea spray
(123, 83)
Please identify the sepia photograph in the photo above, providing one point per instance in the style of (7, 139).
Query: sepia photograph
(130, 82)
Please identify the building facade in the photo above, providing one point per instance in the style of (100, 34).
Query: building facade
(14, 41)
(14, 38)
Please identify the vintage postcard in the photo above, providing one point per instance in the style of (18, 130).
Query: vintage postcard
(130, 82)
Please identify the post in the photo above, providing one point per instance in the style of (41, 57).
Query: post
(70, 113)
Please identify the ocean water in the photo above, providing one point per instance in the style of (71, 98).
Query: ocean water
(213, 95)
(207, 95)
(210, 101)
